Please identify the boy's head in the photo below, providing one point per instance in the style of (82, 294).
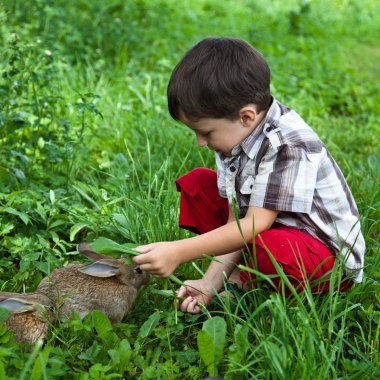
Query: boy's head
(216, 78)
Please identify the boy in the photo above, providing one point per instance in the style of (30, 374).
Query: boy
(284, 181)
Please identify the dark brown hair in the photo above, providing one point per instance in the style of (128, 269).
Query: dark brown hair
(216, 78)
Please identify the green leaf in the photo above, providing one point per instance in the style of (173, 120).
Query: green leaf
(121, 356)
(176, 279)
(241, 339)
(110, 247)
(52, 197)
(104, 329)
(101, 323)
(237, 353)
(43, 266)
(39, 367)
(168, 293)
(149, 325)
(277, 357)
(87, 197)
(6, 228)
(216, 328)
(93, 353)
(24, 217)
(41, 211)
(30, 361)
(4, 314)
(19, 173)
(206, 348)
(211, 341)
(2, 371)
(125, 351)
(115, 356)
(121, 219)
(75, 229)
(55, 224)
(5, 335)
(33, 256)
(98, 370)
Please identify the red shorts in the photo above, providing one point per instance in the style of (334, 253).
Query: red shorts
(301, 257)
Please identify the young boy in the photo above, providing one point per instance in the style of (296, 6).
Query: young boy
(286, 185)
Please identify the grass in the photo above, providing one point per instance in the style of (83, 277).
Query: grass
(88, 150)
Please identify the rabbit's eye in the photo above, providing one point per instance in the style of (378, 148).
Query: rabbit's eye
(138, 270)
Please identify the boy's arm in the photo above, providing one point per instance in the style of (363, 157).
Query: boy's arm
(225, 264)
(201, 291)
(162, 258)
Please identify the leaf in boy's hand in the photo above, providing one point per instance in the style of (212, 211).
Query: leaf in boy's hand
(109, 247)
(167, 293)
(128, 260)
(164, 292)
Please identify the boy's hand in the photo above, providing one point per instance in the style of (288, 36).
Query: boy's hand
(195, 292)
(159, 259)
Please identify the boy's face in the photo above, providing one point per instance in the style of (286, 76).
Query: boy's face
(219, 135)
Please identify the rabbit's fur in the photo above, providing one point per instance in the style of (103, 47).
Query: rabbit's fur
(30, 315)
(107, 285)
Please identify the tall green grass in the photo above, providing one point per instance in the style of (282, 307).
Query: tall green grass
(87, 149)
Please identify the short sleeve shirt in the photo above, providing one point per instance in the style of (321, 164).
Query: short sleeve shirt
(284, 166)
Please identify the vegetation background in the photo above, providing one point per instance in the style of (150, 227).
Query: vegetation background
(87, 149)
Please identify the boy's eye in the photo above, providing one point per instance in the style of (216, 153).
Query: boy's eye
(205, 134)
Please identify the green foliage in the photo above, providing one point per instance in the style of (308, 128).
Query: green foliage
(211, 343)
(87, 150)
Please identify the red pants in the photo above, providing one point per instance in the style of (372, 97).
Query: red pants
(299, 255)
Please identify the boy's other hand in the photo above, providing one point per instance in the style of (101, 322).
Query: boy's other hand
(195, 292)
(159, 259)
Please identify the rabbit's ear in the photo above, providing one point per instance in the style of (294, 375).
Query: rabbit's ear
(100, 269)
(17, 306)
(6, 295)
(85, 250)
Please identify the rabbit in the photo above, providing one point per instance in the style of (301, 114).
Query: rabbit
(30, 315)
(107, 284)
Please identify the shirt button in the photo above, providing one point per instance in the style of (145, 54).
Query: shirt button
(232, 169)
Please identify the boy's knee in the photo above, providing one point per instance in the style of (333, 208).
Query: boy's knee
(201, 174)
(197, 178)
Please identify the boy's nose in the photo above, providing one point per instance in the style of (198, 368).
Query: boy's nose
(201, 141)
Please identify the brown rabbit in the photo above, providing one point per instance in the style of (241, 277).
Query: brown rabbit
(30, 315)
(107, 285)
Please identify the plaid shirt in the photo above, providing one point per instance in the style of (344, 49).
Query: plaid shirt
(284, 166)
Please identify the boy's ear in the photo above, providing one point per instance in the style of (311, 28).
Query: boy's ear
(248, 115)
